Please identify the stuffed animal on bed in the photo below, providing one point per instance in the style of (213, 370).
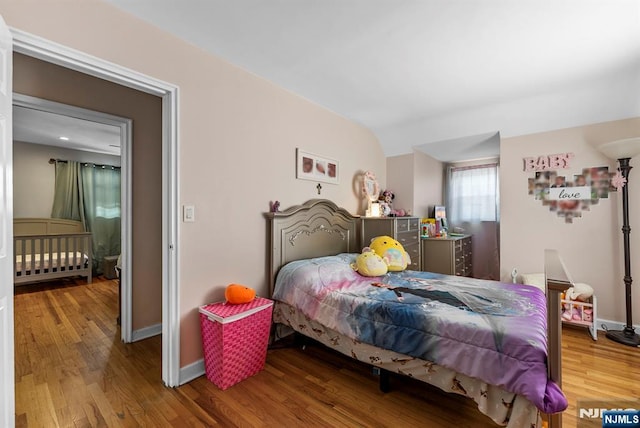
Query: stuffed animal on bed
(392, 252)
(369, 263)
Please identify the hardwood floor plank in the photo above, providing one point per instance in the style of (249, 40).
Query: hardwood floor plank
(64, 417)
(45, 416)
(73, 371)
(104, 406)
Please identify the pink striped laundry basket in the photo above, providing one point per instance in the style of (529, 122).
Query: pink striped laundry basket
(235, 339)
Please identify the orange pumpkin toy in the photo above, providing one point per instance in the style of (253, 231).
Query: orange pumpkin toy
(237, 293)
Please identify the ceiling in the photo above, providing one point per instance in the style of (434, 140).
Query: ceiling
(447, 77)
(422, 72)
(43, 127)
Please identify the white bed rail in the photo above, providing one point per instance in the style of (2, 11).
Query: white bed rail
(45, 257)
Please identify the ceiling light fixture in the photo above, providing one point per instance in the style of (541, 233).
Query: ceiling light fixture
(63, 138)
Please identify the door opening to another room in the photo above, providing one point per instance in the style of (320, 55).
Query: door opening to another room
(54, 140)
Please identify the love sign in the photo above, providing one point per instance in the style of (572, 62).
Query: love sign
(569, 193)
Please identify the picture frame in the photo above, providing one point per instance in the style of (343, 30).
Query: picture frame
(313, 167)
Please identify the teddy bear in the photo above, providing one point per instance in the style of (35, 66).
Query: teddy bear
(580, 291)
(392, 252)
(368, 263)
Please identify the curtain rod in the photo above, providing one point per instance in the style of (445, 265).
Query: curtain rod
(462, 168)
(52, 161)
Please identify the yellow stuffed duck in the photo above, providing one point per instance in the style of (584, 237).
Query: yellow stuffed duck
(392, 252)
(368, 263)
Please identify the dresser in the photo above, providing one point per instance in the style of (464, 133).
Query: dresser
(451, 256)
(405, 230)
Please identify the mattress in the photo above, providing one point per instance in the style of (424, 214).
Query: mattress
(69, 259)
(490, 331)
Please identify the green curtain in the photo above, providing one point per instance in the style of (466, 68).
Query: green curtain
(91, 194)
(66, 199)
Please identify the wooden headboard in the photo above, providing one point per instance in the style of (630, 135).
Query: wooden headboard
(45, 226)
(314, 229)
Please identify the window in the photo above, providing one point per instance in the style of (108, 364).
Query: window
(473, 194)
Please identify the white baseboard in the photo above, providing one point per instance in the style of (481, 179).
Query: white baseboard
(612, 325)
(146, 332)
(191, 371)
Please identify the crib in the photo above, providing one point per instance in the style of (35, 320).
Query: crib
(50, 248)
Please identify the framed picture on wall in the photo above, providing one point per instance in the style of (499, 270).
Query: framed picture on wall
(316, 168)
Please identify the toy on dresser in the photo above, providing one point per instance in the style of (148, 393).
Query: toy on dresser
(385, 200)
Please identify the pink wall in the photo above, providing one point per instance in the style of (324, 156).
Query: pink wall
(400, 179)
(428, 184)
(417, 180)
(237, 139)
(591, 246)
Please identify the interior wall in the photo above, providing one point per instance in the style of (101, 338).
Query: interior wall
(238, 135)
(34, 176)
(428, 184)
(417, 180)
(400, 179)
(591, 246)
(51, 82)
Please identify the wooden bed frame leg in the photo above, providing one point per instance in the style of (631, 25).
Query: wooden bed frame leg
(384, 383)
(555, 421)
(554, 326)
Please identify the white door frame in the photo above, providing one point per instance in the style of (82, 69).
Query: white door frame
(49, 51)
(124, 124)
(7, 262)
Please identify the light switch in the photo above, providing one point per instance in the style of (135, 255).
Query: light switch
(188, 213)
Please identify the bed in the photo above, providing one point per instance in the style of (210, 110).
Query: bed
(49, 248)
(317, 294)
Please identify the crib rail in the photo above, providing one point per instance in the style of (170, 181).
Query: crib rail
(44, 257)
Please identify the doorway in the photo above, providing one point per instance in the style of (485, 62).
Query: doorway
(99, 133)
(29, 45)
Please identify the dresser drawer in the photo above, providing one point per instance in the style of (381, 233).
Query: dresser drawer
(414, 224)
(408, 238)
(404, 224)
(412, 248)
(466, 245)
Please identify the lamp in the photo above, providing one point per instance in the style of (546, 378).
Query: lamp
(370, 190)
(623, 151)
(374, 211)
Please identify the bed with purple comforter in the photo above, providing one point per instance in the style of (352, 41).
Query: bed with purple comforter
(491, 331)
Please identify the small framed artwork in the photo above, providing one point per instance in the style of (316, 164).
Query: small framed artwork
(317, 168)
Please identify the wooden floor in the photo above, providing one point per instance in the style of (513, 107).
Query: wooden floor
(73, 371)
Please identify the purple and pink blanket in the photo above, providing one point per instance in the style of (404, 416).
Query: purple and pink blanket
(493, 331)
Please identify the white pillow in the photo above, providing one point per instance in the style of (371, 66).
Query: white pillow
(535, 279)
